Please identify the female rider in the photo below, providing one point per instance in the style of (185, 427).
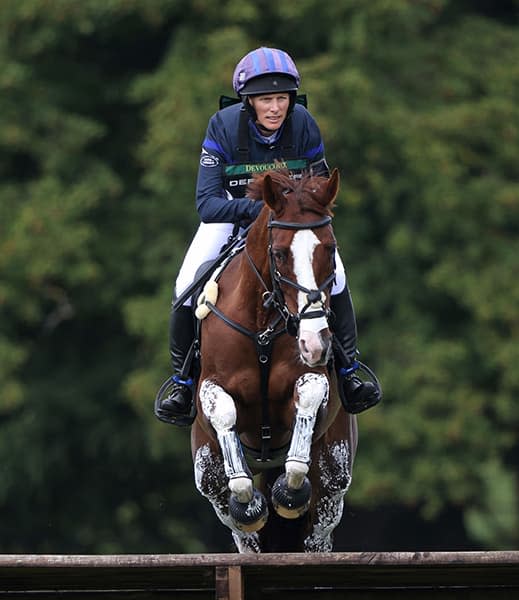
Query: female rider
(267, 126)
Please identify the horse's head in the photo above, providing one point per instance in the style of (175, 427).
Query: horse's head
(302, 256)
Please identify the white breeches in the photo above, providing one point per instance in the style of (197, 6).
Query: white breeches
(206, 245)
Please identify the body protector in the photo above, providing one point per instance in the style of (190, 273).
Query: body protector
(238, 175)
(233, 150)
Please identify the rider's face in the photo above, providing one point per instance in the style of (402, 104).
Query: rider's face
(271, 109)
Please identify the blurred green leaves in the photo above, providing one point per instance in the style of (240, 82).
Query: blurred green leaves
(103, 106)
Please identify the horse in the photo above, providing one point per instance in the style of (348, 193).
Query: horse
(272, 447)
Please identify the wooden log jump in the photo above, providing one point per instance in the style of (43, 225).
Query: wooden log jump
(355, 576)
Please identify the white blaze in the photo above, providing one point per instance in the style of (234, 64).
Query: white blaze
(303, 247)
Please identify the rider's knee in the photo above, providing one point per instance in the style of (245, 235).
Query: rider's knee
(340, 275)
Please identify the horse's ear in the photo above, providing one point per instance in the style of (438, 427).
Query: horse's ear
(333, 186)
(271, 194)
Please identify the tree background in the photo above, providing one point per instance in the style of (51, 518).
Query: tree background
(103, 106)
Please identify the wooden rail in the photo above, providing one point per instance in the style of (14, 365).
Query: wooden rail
(354, 576)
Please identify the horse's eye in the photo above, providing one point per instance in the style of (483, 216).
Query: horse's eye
(279, 255)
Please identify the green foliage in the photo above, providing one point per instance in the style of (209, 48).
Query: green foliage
(103, 105)
(493, 520)
(430, 225)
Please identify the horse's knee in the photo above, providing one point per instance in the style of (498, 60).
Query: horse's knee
(312, 391)
(217, 405)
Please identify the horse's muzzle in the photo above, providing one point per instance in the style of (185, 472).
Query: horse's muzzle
(315, 347)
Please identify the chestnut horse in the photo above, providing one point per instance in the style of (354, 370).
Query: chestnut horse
(272, 446)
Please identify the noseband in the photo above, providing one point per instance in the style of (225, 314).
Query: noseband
(312, 296)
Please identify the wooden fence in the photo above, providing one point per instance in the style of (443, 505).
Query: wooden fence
(351, 576)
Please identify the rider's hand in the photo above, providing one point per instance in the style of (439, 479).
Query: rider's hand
(253, 210)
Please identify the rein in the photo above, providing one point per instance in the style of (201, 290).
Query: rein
(264, 340)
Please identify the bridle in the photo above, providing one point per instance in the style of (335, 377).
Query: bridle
(275, 298)
(313, 297)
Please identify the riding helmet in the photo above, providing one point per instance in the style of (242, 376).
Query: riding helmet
(265, 71)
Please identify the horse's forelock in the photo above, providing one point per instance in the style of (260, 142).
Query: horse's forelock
(279, 177)
(308, 189)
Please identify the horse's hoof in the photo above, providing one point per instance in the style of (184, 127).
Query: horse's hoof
(290, 503)
(250, 516)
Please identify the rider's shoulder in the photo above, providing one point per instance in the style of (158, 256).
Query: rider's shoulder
(227, 115)
(302, 112)
(303, 118)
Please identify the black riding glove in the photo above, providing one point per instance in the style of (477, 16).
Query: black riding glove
(251, 212)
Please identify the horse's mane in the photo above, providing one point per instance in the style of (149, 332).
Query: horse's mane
(306, 188)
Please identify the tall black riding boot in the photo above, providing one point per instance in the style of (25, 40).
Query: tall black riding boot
(179, 398)
(357, 395)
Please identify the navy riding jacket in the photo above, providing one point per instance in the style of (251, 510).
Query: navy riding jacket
(215, 203)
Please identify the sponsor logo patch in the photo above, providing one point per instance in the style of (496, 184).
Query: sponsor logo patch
(208, 160)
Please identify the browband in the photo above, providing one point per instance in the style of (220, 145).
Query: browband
(291, 225)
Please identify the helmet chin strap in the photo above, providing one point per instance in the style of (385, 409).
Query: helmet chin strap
(250, 109)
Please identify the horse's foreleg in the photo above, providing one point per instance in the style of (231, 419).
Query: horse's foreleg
(219, 408)
(312, 391)
(247, 506)
(292, 491)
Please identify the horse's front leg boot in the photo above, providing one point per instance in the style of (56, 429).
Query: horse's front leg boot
(312, 392)
(218, 406)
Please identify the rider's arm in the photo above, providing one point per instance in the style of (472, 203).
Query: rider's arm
(212, 201)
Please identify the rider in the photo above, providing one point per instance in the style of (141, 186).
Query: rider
(268, 125)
